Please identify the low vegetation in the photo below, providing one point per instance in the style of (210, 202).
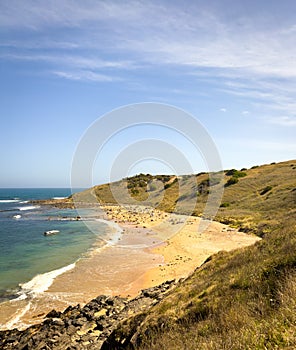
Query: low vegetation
(265, 190)
(244, 299)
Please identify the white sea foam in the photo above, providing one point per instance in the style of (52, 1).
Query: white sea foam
(22, 296)
(59, 197)
(14, 322)
(24, 202)
(29, 207)
(9, 200)
(42, 282)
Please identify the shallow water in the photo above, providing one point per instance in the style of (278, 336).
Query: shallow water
(24, 250)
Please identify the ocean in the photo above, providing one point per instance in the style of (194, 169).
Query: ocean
(29, 259)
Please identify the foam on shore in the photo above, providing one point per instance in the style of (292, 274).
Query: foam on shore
(42, 282)
(29, 290)
(54, 289)
(15, 321)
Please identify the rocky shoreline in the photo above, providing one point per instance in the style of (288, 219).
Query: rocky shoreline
(87, 327)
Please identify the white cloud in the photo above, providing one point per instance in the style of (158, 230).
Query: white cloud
(283, 121)
(64, 13)
(164, 34)
(223, 110)
(244, 52)
(271, 96)
(85, 76)
(72, 60)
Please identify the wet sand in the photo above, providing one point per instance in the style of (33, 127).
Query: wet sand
(154, 247)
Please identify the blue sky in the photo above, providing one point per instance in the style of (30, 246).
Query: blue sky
(63, 64)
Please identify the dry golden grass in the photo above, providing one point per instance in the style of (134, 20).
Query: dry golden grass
(244, 299)
(244, 204)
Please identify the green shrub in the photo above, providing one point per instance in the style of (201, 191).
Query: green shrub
(224, 205)
(203, 186)
(233, 180)
(230, 172)
(236, 173)
(163, 178)
(265, 190)
(240, 174)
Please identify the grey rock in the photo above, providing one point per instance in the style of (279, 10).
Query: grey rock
(78, 328)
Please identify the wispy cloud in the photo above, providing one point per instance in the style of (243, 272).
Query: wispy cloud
(154, 32)
(71, 60)
(283, 121)
(37, 15)
(274, 97)
(245, 53)
(85, 76)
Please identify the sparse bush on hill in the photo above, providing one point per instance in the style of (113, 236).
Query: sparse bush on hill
(230, 172)
(163, 178)
(233, 180)
(265, 190)
(225, 205)
(236, 173)
(168, 185)
(203, 186)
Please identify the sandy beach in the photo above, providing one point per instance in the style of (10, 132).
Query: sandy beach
(153, 247)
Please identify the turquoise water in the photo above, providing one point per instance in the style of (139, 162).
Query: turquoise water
(24, 250)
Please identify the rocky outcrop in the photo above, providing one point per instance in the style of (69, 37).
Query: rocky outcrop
(85, 327)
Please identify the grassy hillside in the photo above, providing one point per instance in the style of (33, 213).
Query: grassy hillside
(253, 199)
(244, 299)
